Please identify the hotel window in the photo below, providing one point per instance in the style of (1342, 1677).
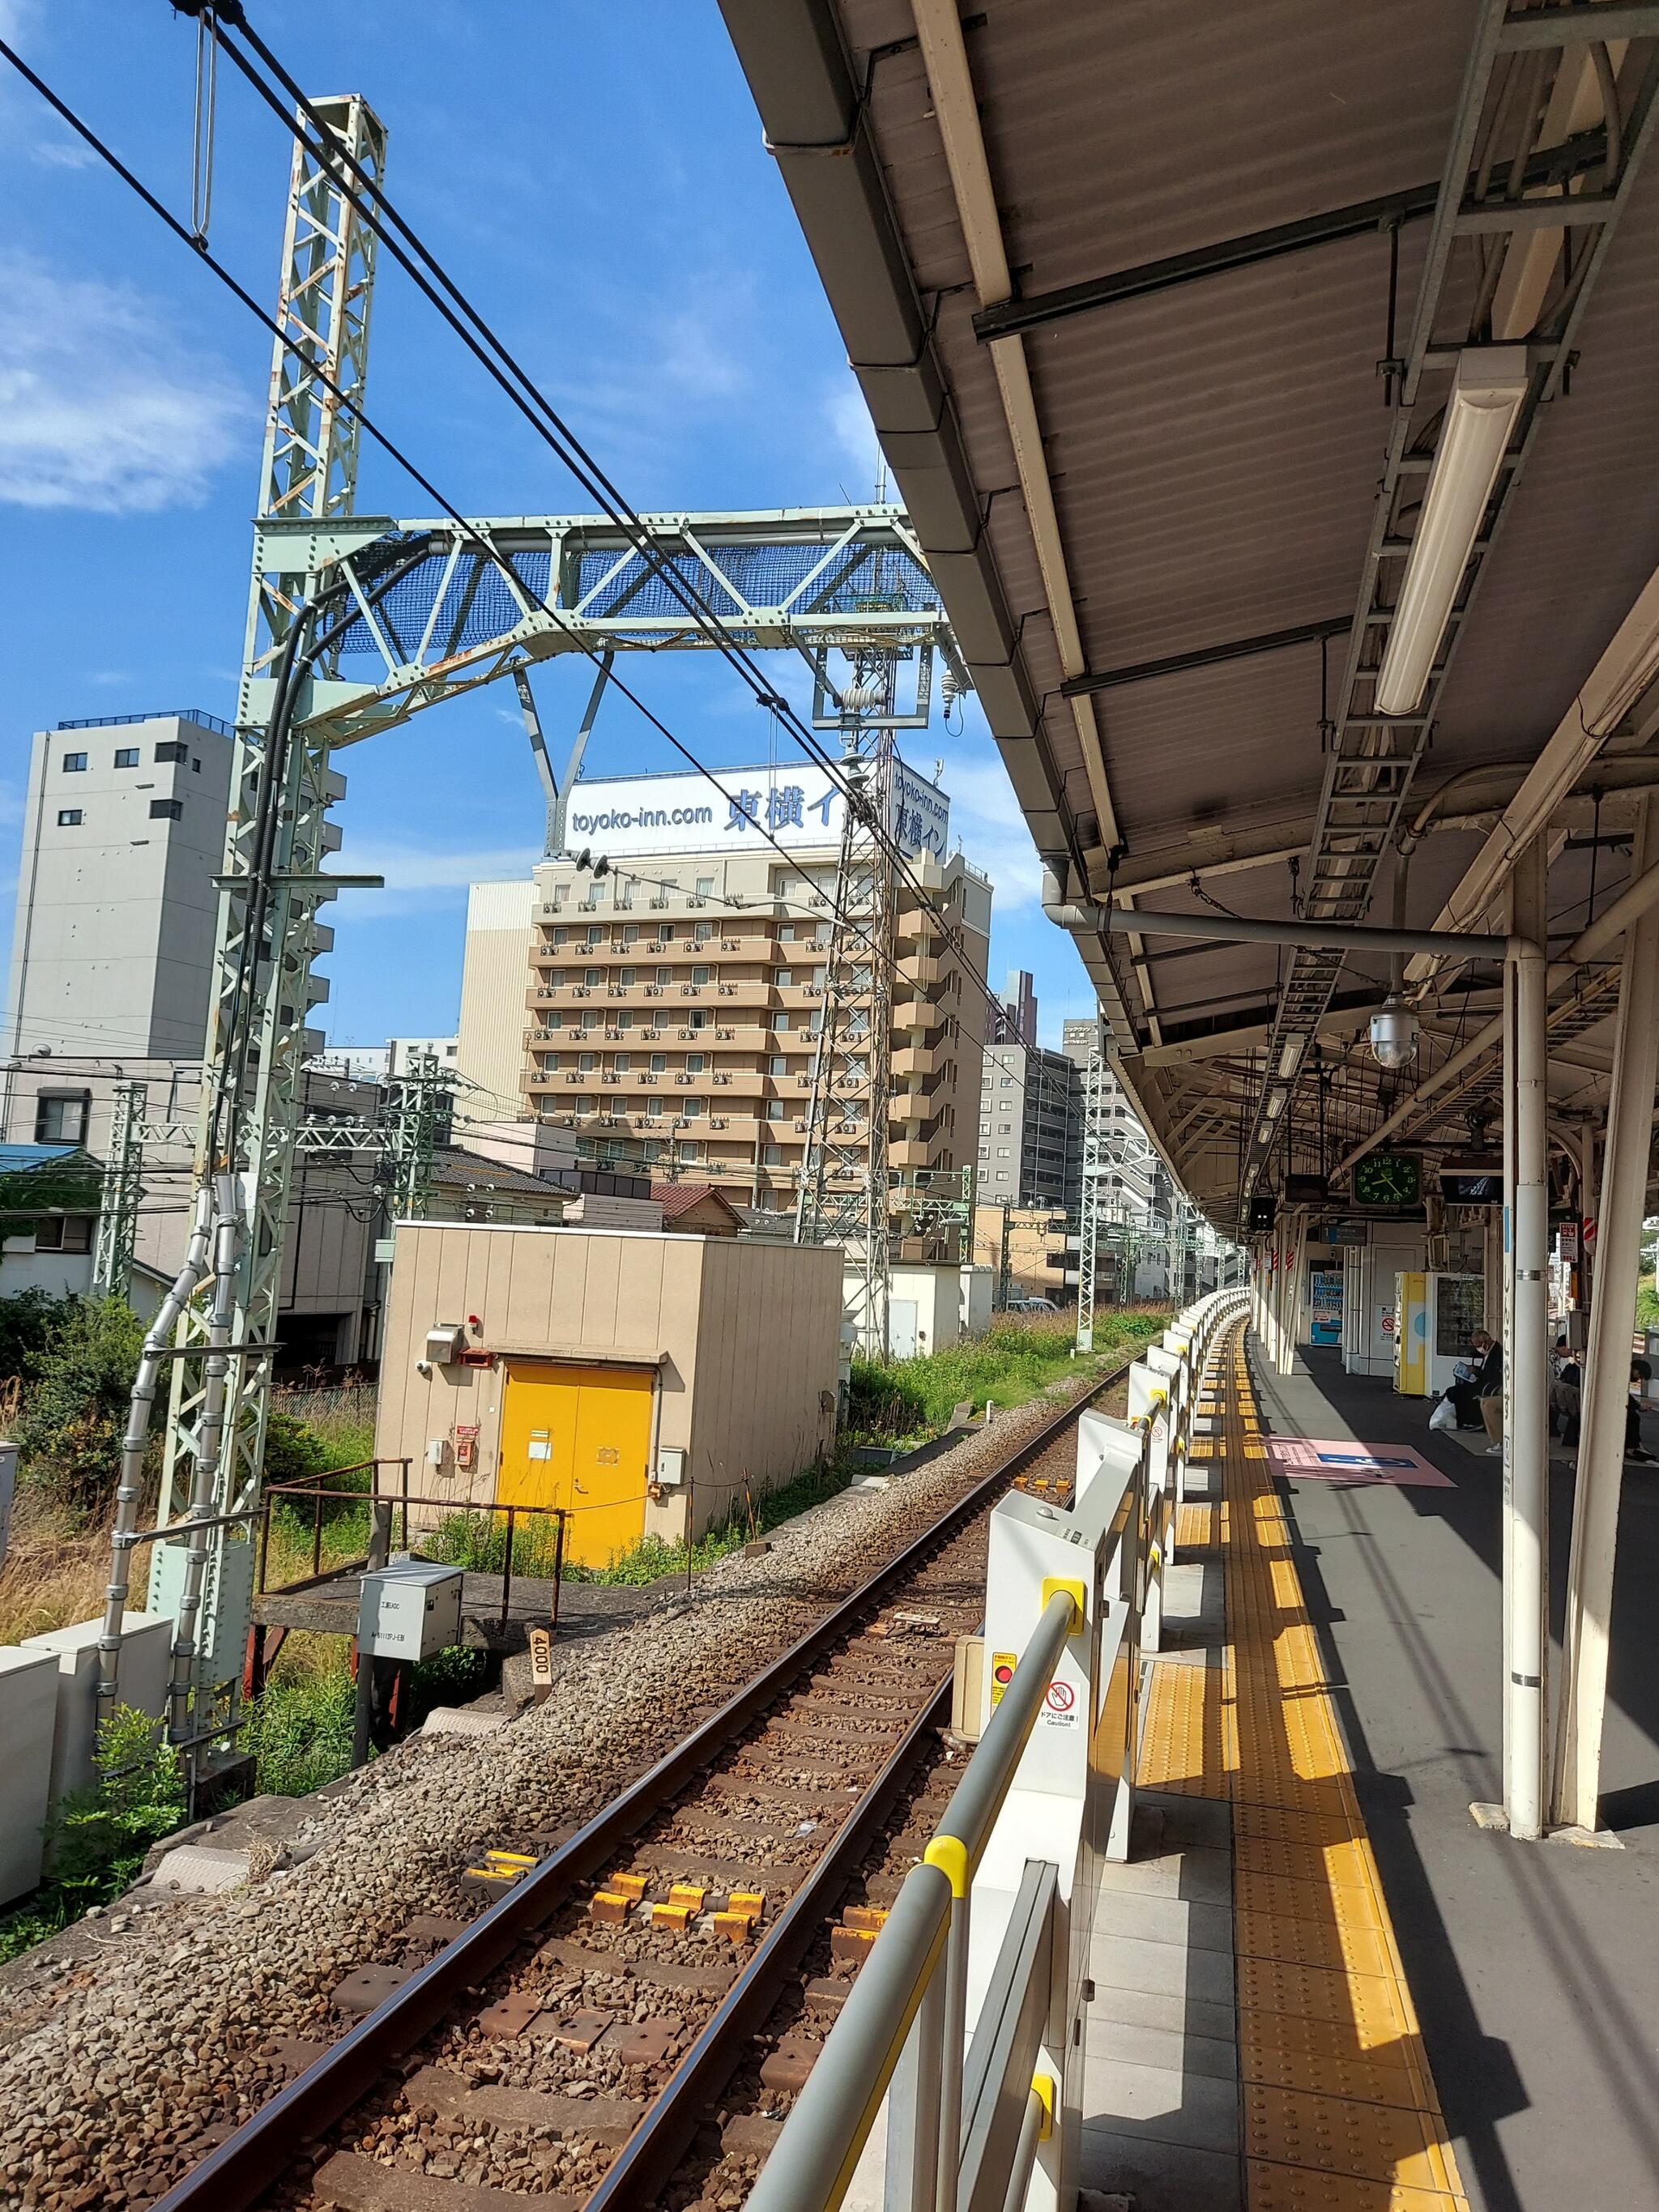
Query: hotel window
(624, 1019)
(777, 1065)
(784, 978)
(695, 1062)
(702, 933)
(167, 810)
(622, 1062)
(692, 1110)
(559, 936)
(700, 976)
(586, 1062)
(665, 975)
(786, 932)
(658, 1063)
(705, 887)
(595, 935)
(626, 976)
(776, 1110)
(592, 977)
(779, 1019)
(126, 757)
(74, 763)
(172, 752)
(69, 818)
(699, 1019)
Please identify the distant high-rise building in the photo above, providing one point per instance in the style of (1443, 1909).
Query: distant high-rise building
(1015, 1021)
(676, 1001)
(1030, 1127)
(124, 830)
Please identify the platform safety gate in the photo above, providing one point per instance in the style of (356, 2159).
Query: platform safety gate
(963, 2033)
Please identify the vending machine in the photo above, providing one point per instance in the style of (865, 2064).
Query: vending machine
(1435, 1317)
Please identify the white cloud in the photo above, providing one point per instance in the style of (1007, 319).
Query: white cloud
(426, 868)
(985, 816)
(64, 154)
(99, 408)
(856, 438)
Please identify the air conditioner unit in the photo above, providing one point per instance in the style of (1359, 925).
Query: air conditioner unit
(659, 901)
(716, 1121)
(728, 944)
(727, 1034)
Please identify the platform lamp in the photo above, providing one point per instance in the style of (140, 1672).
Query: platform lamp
(1488, 387)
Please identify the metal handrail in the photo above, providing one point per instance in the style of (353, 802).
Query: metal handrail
(908, 2002)
(812, 2162)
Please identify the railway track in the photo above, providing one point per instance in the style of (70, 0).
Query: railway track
(626, 2023)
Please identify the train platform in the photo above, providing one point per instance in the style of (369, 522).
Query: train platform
(1317, 1982)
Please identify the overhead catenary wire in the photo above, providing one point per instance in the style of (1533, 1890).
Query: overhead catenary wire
(380, 214)
(416, 476)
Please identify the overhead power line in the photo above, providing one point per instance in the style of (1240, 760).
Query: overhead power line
(395, 233)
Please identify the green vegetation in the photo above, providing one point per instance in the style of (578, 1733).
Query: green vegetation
(895, 1401)
(96, 1842)
(74, 1405)
(299, 1729)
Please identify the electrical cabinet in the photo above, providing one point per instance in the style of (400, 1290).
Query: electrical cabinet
(409, 1609)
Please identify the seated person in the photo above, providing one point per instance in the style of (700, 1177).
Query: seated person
(1640, 1375)
(1480, 1377)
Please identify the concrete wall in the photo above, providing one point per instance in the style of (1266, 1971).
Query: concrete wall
(494, 970)
(29, 1720)
(743, 1338)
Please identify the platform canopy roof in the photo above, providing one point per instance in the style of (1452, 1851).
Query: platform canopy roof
(1185, 329)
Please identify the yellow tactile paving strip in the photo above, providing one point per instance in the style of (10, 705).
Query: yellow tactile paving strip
(1339, 2109)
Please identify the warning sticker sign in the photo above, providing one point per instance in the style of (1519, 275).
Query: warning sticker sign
(1002, 1673)
(1059, 1706)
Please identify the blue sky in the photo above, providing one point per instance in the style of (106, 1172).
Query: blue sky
(595, 177)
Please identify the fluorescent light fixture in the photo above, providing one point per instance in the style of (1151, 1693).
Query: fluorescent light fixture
(1275, 1105)
(1290, 1058)
(1487, 389)
(1625, 669)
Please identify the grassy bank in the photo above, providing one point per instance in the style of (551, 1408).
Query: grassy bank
(907, 1401)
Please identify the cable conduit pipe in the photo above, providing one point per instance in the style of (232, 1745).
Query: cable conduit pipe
(210, 1453)
(1249, 929)
(141, 1406)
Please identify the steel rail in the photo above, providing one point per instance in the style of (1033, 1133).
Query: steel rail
(239, 2172)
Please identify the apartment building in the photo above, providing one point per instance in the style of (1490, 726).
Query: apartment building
(1031, 1127)
(677, 999)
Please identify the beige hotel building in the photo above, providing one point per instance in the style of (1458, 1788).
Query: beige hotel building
(675, 1002)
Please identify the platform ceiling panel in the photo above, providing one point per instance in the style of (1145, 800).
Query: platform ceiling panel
(1214, 445)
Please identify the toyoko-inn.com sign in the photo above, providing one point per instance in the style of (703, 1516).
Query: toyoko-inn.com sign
(796, 805)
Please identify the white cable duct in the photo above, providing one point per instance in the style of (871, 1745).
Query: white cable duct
(209, 1450)
(129, 1488)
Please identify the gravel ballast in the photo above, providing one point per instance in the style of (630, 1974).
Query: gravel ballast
(119, 2067)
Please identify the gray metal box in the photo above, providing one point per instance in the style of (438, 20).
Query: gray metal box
(409, 1609)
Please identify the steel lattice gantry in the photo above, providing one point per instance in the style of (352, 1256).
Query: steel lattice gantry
(417, 612)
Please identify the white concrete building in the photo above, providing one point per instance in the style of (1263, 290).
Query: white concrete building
(124, 830)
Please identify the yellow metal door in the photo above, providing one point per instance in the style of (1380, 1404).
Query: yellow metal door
(579, 1437)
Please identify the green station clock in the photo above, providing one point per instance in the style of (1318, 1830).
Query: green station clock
(1389, 1179)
